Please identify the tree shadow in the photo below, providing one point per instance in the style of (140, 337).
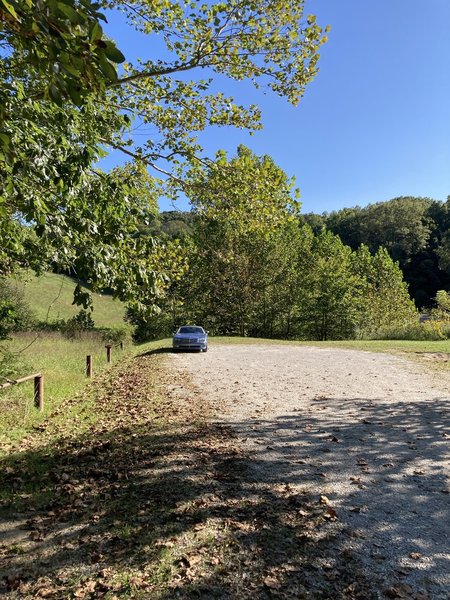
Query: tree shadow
(168, 350)
(386, 474)
(162, 513)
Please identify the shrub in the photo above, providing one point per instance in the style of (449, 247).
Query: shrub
(15, 313)
(11, 365)
(113, 336)
(428, 331)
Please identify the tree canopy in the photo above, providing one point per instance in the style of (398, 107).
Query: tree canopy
(64, 105)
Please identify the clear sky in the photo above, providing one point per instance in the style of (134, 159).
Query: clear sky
(375, 123)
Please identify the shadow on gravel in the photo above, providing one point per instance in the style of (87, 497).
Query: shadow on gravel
(397, 456)
(165, 350)
(157, 513)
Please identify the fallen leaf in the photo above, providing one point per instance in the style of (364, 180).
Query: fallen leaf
(402, 590)
(272, 582)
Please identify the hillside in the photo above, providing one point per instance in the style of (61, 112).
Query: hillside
(50, 297)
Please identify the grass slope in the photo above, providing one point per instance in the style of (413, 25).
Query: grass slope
(50, 297)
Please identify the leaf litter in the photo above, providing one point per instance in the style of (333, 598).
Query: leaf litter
(127, 492)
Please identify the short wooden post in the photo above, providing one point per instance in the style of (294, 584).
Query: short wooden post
(121, 345)
(108, 353)
(88, 365)
(39, 392)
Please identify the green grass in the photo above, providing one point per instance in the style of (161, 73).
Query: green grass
(62, 362)
(391, 346)
(50, 296)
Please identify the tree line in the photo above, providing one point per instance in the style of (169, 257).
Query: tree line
(253, 267)
(415, 232)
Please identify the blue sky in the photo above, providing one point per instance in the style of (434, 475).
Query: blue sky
(375, 123)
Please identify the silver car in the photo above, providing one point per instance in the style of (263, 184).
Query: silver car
(190, 337)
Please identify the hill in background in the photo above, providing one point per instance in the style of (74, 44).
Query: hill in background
(50, 297)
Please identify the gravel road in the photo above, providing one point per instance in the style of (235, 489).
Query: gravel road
(369, 431)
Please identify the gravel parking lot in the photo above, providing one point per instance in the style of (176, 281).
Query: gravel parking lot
(369, 432)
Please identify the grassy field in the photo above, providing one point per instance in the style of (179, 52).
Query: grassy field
(62, 362)
(50, 297)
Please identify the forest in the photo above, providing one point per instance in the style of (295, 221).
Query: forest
(348, 273)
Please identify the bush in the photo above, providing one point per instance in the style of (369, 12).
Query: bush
(153, 327)
(15, 313)
(428, 331)
(113, 336)
(11, 365)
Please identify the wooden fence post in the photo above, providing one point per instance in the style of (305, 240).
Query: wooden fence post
(39, 391)
(108, 353)
(88, 365)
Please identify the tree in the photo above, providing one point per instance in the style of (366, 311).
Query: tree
(62, 45)
(384, 299)
(242, 207)
(411, 229)
(400, 225)
(55, 131)
(15, 313)
(328, 304)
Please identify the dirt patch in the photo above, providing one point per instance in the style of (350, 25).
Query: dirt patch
(370, 432)
(434, 356)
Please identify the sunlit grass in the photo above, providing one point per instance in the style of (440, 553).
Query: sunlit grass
(63, 363)
(394, 346)
(50, 297)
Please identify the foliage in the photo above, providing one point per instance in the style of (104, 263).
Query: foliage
(330, 301)
(413, 230)
(81, 322)
(114, 336)
(428, 331)
(440, 313)
(384, 299)
(400, 225)
(242, 205)
(12, 364)
(56, 207)
(253, 269)
(15, 313)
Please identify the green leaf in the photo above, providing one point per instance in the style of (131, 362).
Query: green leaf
(55, 95)
(113, 53)
(10, 9)
(96, 32)
(70, 13)
(107, 69)
(74, 93)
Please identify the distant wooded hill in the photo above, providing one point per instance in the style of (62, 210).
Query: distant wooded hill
(415, 231)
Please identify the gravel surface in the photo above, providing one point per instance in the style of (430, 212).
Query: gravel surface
(368, 431)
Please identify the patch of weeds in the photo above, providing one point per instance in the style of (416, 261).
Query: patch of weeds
(16, 549)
